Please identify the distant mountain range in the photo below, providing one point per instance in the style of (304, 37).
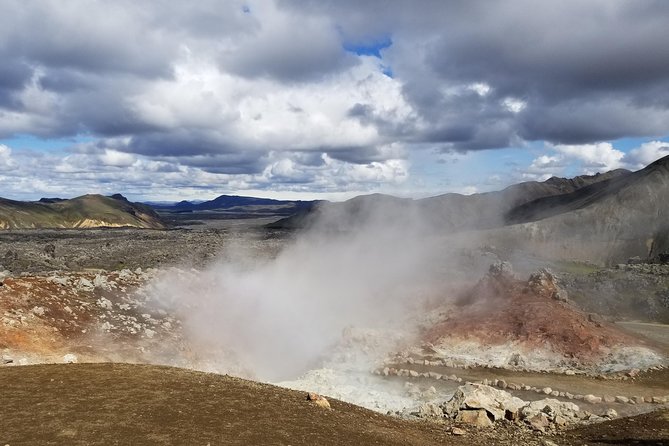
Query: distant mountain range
(449, 212)
(88, 211)
(234, 204)
(606, 217)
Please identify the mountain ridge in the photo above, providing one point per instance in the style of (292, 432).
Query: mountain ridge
(86, 211)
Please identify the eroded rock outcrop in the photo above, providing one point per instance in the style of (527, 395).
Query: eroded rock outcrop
(480, 405)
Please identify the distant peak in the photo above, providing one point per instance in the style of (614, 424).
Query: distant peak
(50, 200)
(662, 162)
(118, 197)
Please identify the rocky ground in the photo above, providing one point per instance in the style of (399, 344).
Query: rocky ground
(190, 243)
(94, 296)
(532, 324)
(634, 291)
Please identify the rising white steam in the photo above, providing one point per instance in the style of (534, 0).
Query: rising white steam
(282, 315)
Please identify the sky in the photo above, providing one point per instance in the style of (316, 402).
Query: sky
(170, 100)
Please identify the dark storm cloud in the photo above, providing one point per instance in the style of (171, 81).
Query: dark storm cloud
(180, 143)
(289, 57)
(13, 77)
(355, 155)
(561, 58)
(231, 163)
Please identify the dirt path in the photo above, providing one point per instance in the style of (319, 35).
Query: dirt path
(653, 383)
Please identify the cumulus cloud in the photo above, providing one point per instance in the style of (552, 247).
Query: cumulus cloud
(563, 160)
(646, 153)
(599, 156)
(250, 92)
(6, 161)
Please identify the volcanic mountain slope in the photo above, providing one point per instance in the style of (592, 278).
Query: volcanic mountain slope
(610, 222)
(443, 213)
(503, 321)
(605, 218)
(87, 211)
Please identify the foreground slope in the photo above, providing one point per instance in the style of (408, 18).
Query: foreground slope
(133, 404)
(88, 404)
(87, 211)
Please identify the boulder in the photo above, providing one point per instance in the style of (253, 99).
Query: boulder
(592, 399)
(104, 303)
(478, 418)
(477, 396)
(539, 422)
(558, 412)
(458, 431)
(318, 400)
(611, 413)
(482, 405)
(429, 410)
(84, 285)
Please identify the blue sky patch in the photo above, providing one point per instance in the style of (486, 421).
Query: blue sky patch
(369, 48)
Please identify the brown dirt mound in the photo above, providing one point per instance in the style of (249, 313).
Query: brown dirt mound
(536, 313)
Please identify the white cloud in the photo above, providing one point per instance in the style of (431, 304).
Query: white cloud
(597, 157)
(588, 159)
(514, 105)
(6, 161)
(115, 158)
(647, 153)
(482, 89)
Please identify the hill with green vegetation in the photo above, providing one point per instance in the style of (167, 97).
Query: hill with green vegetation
(87, 211)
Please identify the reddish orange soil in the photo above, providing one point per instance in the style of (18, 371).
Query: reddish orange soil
(501, 309)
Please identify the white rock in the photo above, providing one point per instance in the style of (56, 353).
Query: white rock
(477, 396)
(104, 303)
(102, 282)
(592, 399)
(70, 358)
(38, 311)
(85, 285)
(62, 281)
(550, 407)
